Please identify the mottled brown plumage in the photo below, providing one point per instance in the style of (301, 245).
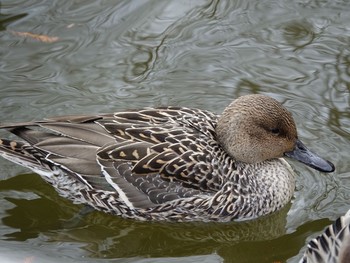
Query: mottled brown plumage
(332, 246)
(168, 163)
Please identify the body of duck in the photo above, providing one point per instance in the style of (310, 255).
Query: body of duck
(169, 163)
(332, 246)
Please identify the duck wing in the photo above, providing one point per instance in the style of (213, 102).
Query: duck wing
(148, 157)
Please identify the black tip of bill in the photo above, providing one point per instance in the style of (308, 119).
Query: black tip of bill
(305, 156)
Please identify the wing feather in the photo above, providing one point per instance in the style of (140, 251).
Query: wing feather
(149, 157)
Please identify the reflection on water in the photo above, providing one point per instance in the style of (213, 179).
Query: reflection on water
(114, 237)
(129, 54)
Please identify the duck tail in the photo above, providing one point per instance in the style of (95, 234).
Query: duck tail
(21, 153)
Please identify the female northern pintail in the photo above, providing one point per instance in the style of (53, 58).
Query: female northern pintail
(169, 163)
(332, 246)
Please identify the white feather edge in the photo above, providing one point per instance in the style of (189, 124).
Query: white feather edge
(120, 192)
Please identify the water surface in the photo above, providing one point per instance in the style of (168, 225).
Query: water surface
(71, 57)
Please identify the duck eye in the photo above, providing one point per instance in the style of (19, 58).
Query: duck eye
(275, 131)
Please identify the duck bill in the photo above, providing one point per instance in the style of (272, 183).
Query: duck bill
(305, 156)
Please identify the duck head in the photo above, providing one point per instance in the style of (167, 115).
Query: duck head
(255, 128)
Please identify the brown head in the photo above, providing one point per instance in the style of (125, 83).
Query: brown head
(255, 128)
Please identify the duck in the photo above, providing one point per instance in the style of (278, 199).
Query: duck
(169, 163)
(332, 246)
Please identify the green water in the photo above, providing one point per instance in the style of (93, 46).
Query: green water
(70, 57)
